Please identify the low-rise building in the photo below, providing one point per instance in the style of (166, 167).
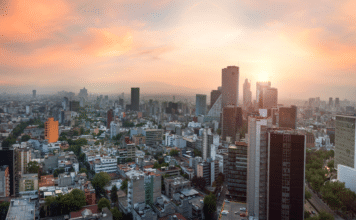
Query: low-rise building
(28, 182)
(175, 184)
(170, 171)
(105, 164)
(23, 208)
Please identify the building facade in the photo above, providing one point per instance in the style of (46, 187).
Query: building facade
(345, 141)
(200, 105)
(135, 99)
(231, 122)
(247, 94)
(230, 86)
(288, 117)
(51, 130)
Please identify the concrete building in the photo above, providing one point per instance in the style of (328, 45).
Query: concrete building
(83, 93)
(24, 157)
(114, 129)
(175, 184)
(170, 171)
(236, 174)
(28, 182)
(231, 122)
(105, 164)
(200, 105)
(135, 99)
(74, 106)
(257, 166)
(345, 141)
(22, 209)
(230, 86)
(268, 98)
(51, 130)
(247, 94)
(207, 142)
(286, 174)
(208, 170)
(288, 117)
(34, 93)
(109, 118)
(347, 175)
(214, 95)
(154, 137)
(259, 89)
(4, 181)
(130, 148)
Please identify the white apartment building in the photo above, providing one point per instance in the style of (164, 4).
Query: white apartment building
(105, 164)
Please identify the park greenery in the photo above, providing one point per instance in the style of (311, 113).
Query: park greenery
(64, 204)
(209, 208)
(99, 181)
(103, 202)
(25, 138)
(174, 152)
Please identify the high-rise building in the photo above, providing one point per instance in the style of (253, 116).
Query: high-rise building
(230, 86)
(288, 117)
(259, 89)
(83, 93)
(268, 98)
(208, 170)
(9, 157)
(51, 130)
(214, 95)
(337, 102)
(207, 142)
(154, 137)
(231, 122)
(247, 94)
(200, 105)
(135, 99)
(4, 181)
(74, 106)
(34, 93)
(236, 172)
(109, 118)
(23, 157)
(331, 104)
(65, 104)
(257, 166)
(286, 181)
(345, 136)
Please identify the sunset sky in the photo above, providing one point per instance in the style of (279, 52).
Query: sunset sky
(306, 48)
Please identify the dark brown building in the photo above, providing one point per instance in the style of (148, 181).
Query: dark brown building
(231, 122)
(286, 165)
(214, 95)
(288, 117)
(110, 118)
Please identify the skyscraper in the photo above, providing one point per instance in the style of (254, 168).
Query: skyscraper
(331, 102)
(259, 89)
(288, 117)
(230, 86)
(83, 93)
(345, 136)
(214, 95)
(337, 102)
(286, 166)
(110, 118)
(236, 173)
(207, 142)
(135, 99)
(268, 98)
(247, 94)
(257, 166)
(34, 93)
(200, 105)
(51, 130)
(231, 122)
(74, 106)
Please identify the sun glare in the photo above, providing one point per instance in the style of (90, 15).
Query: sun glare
(263, 77)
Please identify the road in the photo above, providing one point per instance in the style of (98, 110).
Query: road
(309, 208)
(320, 205)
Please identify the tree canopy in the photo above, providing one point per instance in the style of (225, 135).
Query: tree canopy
(103, 202)
(33, 167)
(113, 195)
(209, 206)
(99, 181)
(64, 204)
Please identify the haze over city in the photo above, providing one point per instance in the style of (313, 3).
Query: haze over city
(168, 47)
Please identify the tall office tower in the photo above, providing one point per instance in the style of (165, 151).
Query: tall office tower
(288, 117)
(34, 93)
(121, 102)
(259, 89)
(200, 105)
(331, 102)
(237, 171)
(208, 170)
(83, 93)
(337, 102)
(311, 102)
(345, 136)
(214, 95)
(109, 118)
(74, 106)
(257, 166)
(51, 130)
(65, 104)
(135, 99)
(286, 181)
(154, 137)
(9, 157)
(247, 96)
(231, 122)
(230, 86)
(23, 157)
(268, 98)
(207, 142)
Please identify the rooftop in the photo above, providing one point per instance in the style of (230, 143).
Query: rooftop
(21, 209)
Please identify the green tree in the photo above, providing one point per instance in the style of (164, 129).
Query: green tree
(103, 202)
(25, 138)
(113, 195)
(4, 207)
(174, 152)
(124, 185)
(325, 216)
(99, 181)
(83, 170)
(33, 167)
(197, 153)
(209, 207)
(116, 214)
(308, 194)
(331, 164)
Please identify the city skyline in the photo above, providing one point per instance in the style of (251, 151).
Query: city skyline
(160, 45)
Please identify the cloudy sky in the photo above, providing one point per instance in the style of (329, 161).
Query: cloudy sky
(305, 48)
